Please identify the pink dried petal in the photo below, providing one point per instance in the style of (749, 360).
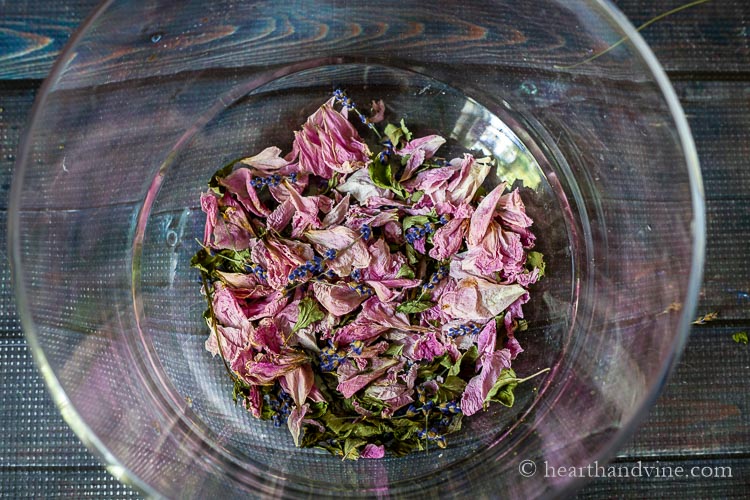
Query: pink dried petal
(448, 239)
(299, 383)
(349, 384)
(476, 299)
(294, 421)
(512, 210)
(253, 402)
(483, 215)
(337, 213)
(377, 109)
(373, 451)
(480, 385)
(268, 160)
(352, 250)
(281, 216)
(465, 185)
(239, 184)
(337, 299)
(360, 186)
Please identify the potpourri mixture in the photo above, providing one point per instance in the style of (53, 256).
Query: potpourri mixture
(365, 293)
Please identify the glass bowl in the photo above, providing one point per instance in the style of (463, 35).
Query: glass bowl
(150, 97)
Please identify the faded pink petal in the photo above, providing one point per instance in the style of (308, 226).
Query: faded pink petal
(465, 185)
(476, 299)
(294, 421)
(226, 307)
(480, 385)
(337, 213)
(299, 383)
(420, 149)
(499, 250)
(337, 299)
(266, 336)
(512, 210)
(383, 264)
(268, 306)
(372, 451)
(224, 231)
(384, 314)
(394, 404)
(253, 402)
(350, 383)
(377, 108)
(483, 215)
(513, 347)
(426, 347)
(429, 144)
(239, 184)
(358, 331)
(264, 369)
(328, 143)
(431, 181)
(360, 186)
(267, 160)
(352, 250)
(281, 216)
(487, 339)
(448, 239)
(233, 341)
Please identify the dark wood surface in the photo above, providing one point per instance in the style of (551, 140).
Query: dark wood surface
(701, 419)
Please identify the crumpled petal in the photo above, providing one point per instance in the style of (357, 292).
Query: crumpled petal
(268, 160)
(264, 369)
(476, 299)
(483, 215)
(360, 186)
(337, 299)
(419, 150)
(253, 402)
(472, 400)
(377, 108)
(352, 250)
(299, 383)
(294, 421)
(384, 314)
(351, 381)
(239, 184)
(372, 451)
(424, 347)
(448, 239)
(513, 211)
(465, 185)
(337, 213)
(329, 143)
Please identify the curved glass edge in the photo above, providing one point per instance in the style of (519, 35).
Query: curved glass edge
(123, 474)
(699, 240)
(74, 420)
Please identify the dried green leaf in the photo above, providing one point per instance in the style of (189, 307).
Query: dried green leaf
(413, 307)
(405, 271)
(536, 259)
(309, 313)
(740, 337)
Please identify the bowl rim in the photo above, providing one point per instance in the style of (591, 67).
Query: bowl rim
(115, 467)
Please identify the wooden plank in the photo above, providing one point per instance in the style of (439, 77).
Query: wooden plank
(710, 38)
(33, 32)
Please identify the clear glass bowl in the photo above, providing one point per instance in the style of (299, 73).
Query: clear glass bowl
(150, 97)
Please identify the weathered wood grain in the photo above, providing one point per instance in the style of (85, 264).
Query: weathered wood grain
(710, 38)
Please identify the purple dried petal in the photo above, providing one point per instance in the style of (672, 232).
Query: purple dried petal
(373, 451)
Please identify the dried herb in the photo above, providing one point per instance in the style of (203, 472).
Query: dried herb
(355, 297)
